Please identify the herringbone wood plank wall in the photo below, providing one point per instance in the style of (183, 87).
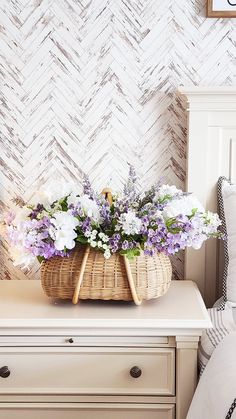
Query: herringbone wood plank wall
(89, 85)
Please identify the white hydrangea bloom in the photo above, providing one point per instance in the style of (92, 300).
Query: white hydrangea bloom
(90, 207)
(72, 199)
(63, 232)
(22, 215)
(183, 205)
(130, 223)
(164, 190)
(21, 257)
(53, 191)
(213, 222)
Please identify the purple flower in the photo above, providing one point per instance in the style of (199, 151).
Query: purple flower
(125, 245)
(87, 188)
(39, 208)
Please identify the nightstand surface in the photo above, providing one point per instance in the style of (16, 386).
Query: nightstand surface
(180, 311)
(75, 361)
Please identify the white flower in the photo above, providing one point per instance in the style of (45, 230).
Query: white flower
(198, 241)
(103, 237)
(63, 232)
(183, 205)
(94, 233)
(166, 190)
(21, 216)
(21, 257)
(107, 254)
(131, 224)
(213, 222)
(65, 220)
(72, 199)
(90, 207)
(52, 191)
(93, 243)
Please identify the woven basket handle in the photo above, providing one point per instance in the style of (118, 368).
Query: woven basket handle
(81, 276)
(137, 301)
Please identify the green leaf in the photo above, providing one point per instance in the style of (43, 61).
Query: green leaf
(40, 259)
(170, 221)
(130, 253)
(165, 199)
(174, 230)
(123, 252)
(81, 239)
(194, 211)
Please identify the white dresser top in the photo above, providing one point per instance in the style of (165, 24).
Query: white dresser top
(25, 308)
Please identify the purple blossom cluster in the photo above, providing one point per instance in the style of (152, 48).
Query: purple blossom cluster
(163, 219)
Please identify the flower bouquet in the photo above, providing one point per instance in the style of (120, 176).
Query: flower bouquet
(120, 241)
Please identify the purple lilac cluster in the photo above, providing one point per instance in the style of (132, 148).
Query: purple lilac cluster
(169, 240)
(35, 238)
(87, 188)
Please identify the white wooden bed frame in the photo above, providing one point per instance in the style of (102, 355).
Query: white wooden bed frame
(211, 153)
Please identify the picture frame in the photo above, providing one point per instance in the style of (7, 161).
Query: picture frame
(221, 8)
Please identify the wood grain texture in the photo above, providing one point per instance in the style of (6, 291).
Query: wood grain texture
(220, 13)
(89, 85)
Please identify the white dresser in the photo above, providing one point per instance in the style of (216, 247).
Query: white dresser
(98, 360)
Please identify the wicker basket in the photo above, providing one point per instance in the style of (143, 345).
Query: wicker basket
(86, 274)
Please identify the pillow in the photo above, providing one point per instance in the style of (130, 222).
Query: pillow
(227, 210)
(223, 324)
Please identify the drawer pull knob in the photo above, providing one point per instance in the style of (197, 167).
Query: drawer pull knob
(70, 340)
(4, 372)
(135, 372)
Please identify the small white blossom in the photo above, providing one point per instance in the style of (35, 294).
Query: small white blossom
(107, 254)
(104, 246)
(99, 244)
(103, 237)
(93, 243)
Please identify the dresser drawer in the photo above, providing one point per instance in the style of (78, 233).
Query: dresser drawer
(88, 371)
(87, 411)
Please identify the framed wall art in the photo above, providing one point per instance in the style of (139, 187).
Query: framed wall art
(221, 8)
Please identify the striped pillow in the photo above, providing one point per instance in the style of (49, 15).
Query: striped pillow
(223, 324)
(227, 210)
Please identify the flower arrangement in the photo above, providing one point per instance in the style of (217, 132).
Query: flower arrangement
(162, 219)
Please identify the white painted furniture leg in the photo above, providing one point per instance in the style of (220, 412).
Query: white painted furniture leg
(186, 373)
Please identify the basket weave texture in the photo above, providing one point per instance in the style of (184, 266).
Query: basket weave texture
(116, 278)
